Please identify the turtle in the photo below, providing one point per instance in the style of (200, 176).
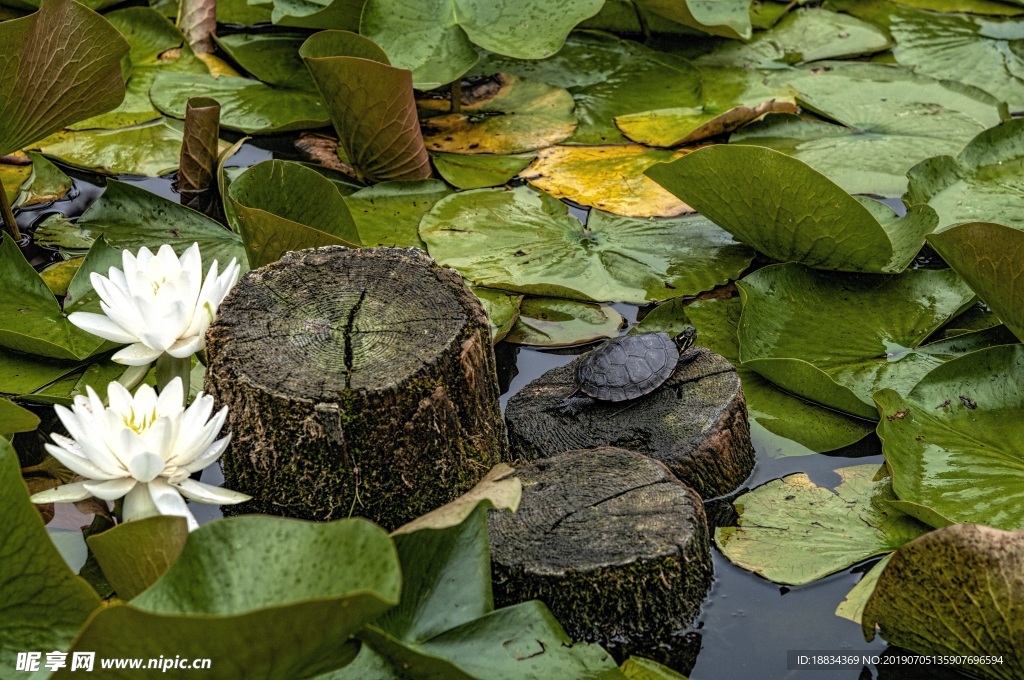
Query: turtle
(628, 367)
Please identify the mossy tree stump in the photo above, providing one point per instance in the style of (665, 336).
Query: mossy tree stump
(696, 423)
(614, 544)
(358, 382)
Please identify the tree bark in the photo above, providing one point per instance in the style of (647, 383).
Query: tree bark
(615, 545)
(359, 382)
(696, 423)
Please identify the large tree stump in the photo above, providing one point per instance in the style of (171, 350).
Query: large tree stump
(358, 381)
(696, 423)
(614, 544)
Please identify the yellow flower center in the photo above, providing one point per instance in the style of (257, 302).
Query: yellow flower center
(139, 426)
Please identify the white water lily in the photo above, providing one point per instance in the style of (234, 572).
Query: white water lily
(157, 303)
(142, 448)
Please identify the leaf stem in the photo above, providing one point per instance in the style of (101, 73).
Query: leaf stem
(7, 215)
(457, 95)
(168, 368)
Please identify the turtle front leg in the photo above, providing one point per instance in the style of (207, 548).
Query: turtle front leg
(688, 356)
(571, 405)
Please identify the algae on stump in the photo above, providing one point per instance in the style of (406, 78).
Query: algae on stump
(614, 544)
(359, 382)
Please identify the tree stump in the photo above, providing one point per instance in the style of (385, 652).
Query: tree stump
(696, 423)
(614, 544)
(358, 382)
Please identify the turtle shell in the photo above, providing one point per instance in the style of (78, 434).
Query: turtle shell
(627, 367)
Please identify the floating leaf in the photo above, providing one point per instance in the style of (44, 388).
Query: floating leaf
(134, 555)
(44, 603)
(499, 488)
(13, 176)
(852, 606)
(794, 531)
(836, 340)
(502, 309)
(760, 196)
(317, 14)
(727, 18)
(14, 419)
(552, 322)
(990, 257)
(516, 116)
(639, 668)
(239, 578)
(247, 105)
(371, 104)
(610, 178)
(271, 57)
(479, 171)
(525, 241)
(953, 443)
(57, 66)
(272, 223)
(985, 183)
(956, 593)
(446, 30)
(389, 213)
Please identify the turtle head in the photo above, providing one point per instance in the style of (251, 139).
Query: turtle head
(685, 340)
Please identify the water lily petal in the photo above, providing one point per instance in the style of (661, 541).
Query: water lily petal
(120, 399)
(138, 504)
(101, 326)
(137, 355)
(170, 402)
(211, 495)
(170, 502)
(79, 464)
(66, 493)
(146, 467)
(210, 455)
(187, 346)
(110, 490)
(111, 294)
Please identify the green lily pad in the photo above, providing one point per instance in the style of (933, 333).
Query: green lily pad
(989, 257)
(129, 218)
(502, 310)
(234, 12)
(552, 322)
(727, 18)
(836, 340)
(12, 177)
(759, 196)
(989, 7)
(371, 104)
(985, 183)
(270, 57)
(953, 443)
(22, 374)
(639, 668)
(793, 531)
(315, 14)
(152, 148)
(247, 105)
(156, 45)
(272, 223)
(46, 183)
(955, 593)
(610, 178)
(852, 606)
(780, 423)
(479, 171)
(446, 31)
(14, 419)
(240, 578)
(515, 116)
(57, 66)
(525, 241)
(608, 77)
(973, 50)
(44, 603)
(97, 374)
(389, 213)
(135, 554)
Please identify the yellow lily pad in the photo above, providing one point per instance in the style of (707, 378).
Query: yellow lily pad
(504, 115)
(610, 178)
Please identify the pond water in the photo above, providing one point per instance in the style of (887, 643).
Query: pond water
(748, 624)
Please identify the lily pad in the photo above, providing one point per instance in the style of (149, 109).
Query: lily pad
(135, 554)
(500, 489)
(990, 258)
(13, 176)
(317, 14)
(14, 419)
(780, 423)
(953, 443)
(270, 57)
(57, 66)
(246, 105)
(852, 606)
(502, 310)
(389, 213)
(44, 603)
(525, 241)
(552, 322)
(511, 115)
(794, 531)
(727, 18)
(836, 340)
(608, 77)
(46, 183)
(639, 668)
(479, 171)
(371, 104)
(985, 183)
(435, 38)
(610, 178)
(956, 593)
(156, 45)
(239, 578)
(760, 196)
(271, 223)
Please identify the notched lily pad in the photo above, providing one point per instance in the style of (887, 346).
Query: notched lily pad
(389, 213)
(551, 322)
(479, 171)
(502, 309)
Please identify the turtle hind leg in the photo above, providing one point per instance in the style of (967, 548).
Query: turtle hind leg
(572, 405)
